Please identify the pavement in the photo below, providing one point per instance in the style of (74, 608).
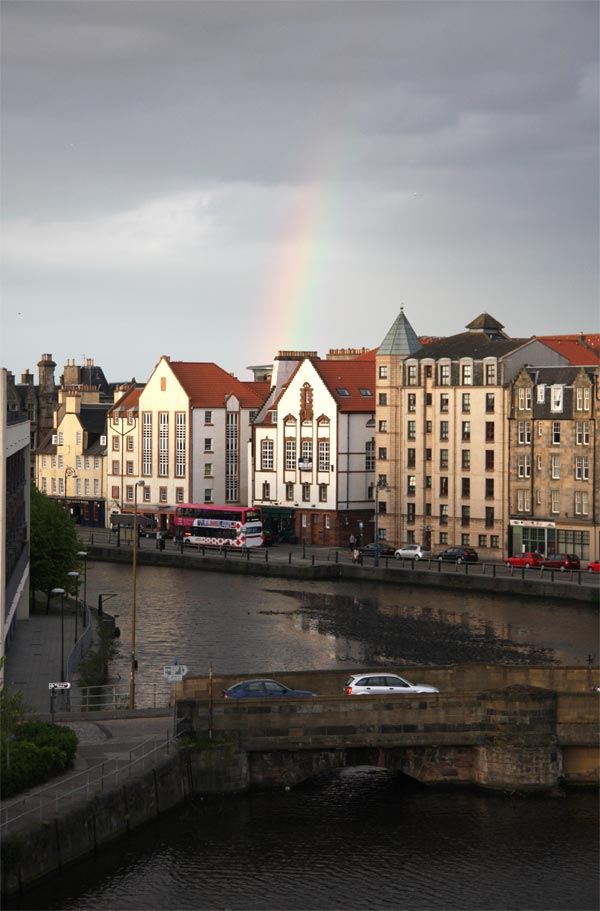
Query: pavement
(113, 738)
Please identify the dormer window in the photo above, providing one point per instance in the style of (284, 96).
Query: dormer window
(342, 392)
(366, 393)
(556, 400)
(466, 374)
(412, 375)
(274, 417)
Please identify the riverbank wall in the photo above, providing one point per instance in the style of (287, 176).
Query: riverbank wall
(464, 577)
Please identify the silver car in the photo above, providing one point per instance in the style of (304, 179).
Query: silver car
(412, 552)
(375, 684)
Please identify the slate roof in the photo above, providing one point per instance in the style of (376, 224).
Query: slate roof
(555, 376)
(208, 385)
(401, 339)
(470, 344)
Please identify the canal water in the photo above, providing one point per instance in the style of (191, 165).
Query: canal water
(360, 838)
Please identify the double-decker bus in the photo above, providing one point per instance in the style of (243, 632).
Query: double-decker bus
(219, 526)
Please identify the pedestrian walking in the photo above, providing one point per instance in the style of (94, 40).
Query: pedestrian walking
(352, 541)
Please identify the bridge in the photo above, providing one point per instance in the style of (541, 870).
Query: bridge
(501, 728)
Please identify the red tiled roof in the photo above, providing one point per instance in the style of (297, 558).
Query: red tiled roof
(581, 350)
(129, 399)
(208, 385)
(353, 376)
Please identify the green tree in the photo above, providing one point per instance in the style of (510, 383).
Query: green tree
(12, 708)
(54, 545)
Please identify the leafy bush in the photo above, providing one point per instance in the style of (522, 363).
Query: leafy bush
(39, 751)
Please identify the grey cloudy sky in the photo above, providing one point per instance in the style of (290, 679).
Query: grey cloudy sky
(220, 180)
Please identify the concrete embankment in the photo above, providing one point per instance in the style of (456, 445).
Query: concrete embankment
(459, 578)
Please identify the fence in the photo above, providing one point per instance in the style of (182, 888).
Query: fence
(83, 785)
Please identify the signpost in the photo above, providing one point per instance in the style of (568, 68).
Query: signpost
(175, 673)
(54, 688)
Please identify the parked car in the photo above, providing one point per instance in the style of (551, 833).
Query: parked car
(527, 558)
(594, 566)
(412, 552)
(563, 562)
(385, 550)
(375, 684)
(458, 555)
(256, 688)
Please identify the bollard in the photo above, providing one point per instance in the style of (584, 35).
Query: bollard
(304, 551)
(248, 553)
(336, 556)
(290, 557)
(266, 555)
(313, 559)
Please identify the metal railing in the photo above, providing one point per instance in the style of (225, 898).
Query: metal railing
(51, 800)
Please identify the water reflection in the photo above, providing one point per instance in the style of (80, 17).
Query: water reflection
(252, 625)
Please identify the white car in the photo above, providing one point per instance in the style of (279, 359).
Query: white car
(412, 552)
(375, 684)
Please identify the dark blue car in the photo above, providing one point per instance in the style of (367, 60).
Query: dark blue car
(256, 688)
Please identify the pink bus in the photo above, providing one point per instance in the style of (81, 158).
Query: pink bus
(204, 525)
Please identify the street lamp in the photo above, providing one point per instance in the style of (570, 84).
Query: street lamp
(61, 592)
(69, 473)
(381, 485)
(133, 594)
(75, 576)
(83, 555)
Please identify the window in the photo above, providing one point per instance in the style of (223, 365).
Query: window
(556, 398)
(383, 427)
(465, 515)
(208, 495)
(366, 393)
(266, 490)
(555, 501)
(523, 500)
(412, 402)
(306, 492)
(428, 481)
(323, 447)
(444, 374)
(370, 492)
(289, 491)
(489, 516)
(579, 398)
(86, 461)
(489, 460)
(327, 521)
(581, 468)
(412, 375)
(581, 503)
(428, 398)
(466, 459)
(411, 457)
(208, 470)
(489, 431)
(369, 455)
(444, 430)
(465, 488)
(129, 492)
(179, 494)
(86, 487)
(466, 430)
(129, 468)
(147, 443)
(465, 540)
(306, 451)
(490, 400)
(342, 392)
(290, 455)
(466, 374)
(273, 416)
(524, 466)
(443, 486)
(78, 462)
(412, 430)
(163, 444)
(490, 374)
(383, 398)
(444, 401)
(61, 461)
(61, 438)
(322, 493)
(428, 509)
(555, 466)
(410, 512)
(115, 444)
(383, 453)
(428, 455)
(443, 458)
(115, 467)
(411, 486)
(53, 461)
(582, 436)
(53, 485)
(382, 480)
(303, 519)
(482, 541)
(428, 371)
(466, 402)
(556, 433)
(428, 426)
(129, 444)
(489, 488)
(443, 514)
(208, 444)
(147, 492)
(383, 372)
(443, 537)
(44, 485)
(266, 455)
(540, 427)
(586, 399)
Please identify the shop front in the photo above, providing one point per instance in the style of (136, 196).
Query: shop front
(279, 524)
(546, 538)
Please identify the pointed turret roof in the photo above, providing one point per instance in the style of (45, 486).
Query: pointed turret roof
(401, 339)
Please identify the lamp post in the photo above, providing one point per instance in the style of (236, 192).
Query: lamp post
(83, 555)
(381, 485)
(75, 576)
(69, 473)
(61, 592)
(133, 595)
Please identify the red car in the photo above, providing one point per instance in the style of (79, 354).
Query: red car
(527, 558)
(562, 562)
(594, 566)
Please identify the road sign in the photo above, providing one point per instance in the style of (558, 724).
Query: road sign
(59, 686)
(174, 672)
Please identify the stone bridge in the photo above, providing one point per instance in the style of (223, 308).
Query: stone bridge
(519, 729)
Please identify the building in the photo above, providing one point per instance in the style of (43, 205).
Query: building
(442, 433)
(185, 434)
(69, 463)
(14, 515)
(312, 455)
(553, 462)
